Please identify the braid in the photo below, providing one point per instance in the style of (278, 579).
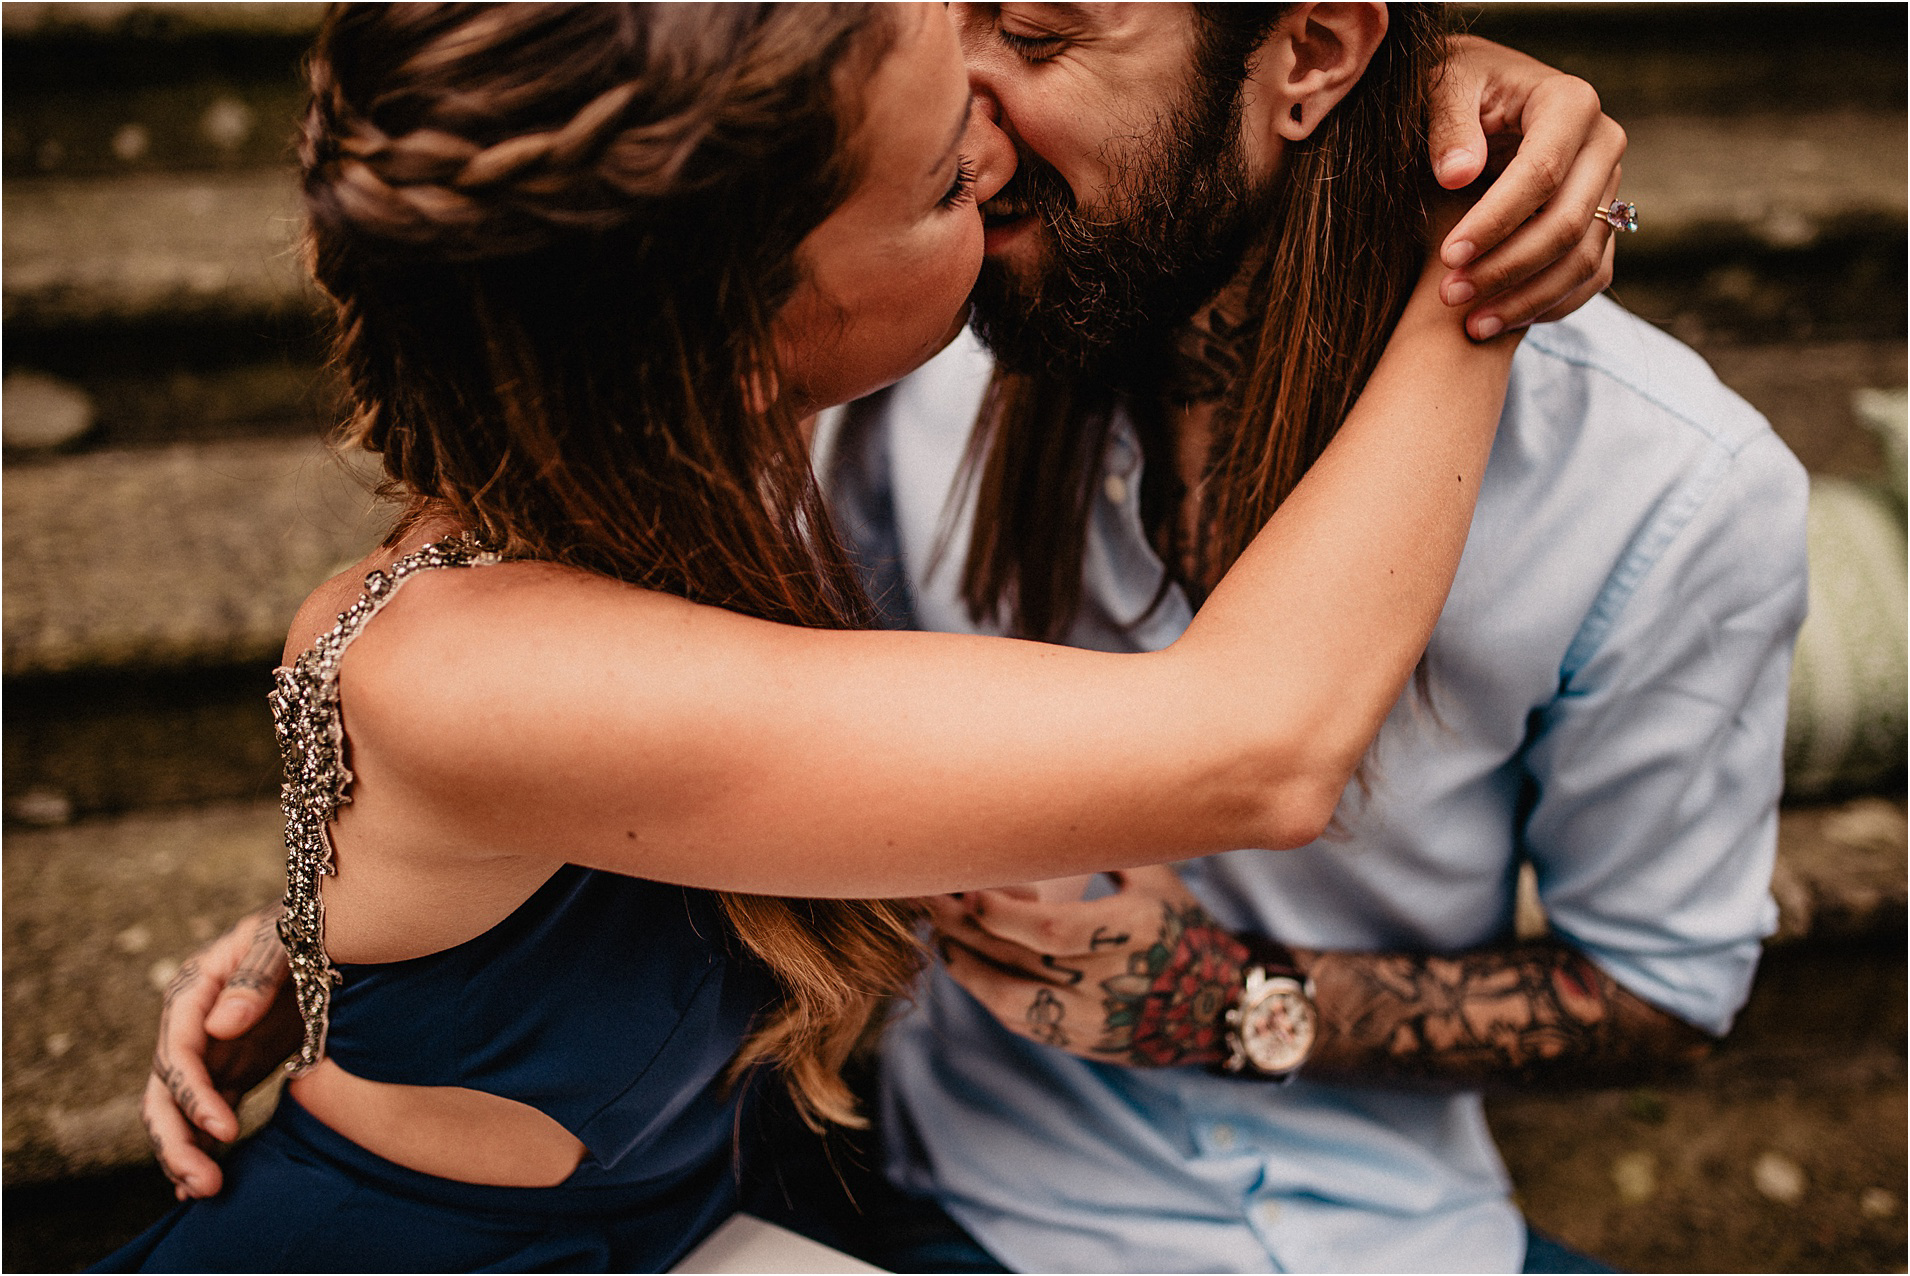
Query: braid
(557, 237)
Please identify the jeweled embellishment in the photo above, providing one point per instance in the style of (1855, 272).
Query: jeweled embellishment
(311, 736)
(1620, 215)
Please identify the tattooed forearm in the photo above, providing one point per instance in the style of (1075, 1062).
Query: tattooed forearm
(1167, 1008)
(1534, 1013)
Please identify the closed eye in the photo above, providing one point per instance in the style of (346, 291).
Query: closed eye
(1032, 48)
(963, 188)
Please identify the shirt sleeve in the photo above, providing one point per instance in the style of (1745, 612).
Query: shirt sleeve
(1655, 772)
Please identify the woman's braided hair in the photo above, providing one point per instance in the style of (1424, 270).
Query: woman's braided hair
(556, 237)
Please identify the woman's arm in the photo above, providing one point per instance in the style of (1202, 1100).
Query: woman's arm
(583, 720)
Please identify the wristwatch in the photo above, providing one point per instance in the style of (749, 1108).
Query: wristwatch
(1270, 1030)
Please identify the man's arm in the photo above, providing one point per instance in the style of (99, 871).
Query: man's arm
(1534, 1013)
(1145, 978)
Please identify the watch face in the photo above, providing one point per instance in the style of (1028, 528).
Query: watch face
(1276, 1032)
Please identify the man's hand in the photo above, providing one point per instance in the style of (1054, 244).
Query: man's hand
(228, 1020)
(1143, 977)
(1530, 249)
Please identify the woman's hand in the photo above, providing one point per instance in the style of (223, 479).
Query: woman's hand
(1143, 977)
(1530, 249)
(229, 1019)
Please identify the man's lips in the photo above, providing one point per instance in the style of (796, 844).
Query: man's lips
(1002, 223)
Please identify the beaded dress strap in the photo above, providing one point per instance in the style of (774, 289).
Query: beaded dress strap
(311, 735)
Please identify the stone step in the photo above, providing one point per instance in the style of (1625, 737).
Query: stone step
(155, 246)
(35, 21)
(1657, 58)
(185, 556)
(100, 913)
(98, 918)
(138, 249)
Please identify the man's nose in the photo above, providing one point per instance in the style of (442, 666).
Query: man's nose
(988, 149)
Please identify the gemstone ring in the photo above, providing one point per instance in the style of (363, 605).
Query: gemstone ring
(1618, 214)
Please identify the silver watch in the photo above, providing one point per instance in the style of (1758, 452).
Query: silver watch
(1270, 1031)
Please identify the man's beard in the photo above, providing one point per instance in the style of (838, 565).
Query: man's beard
(1117, 282)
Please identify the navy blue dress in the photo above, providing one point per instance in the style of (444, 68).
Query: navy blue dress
(611, 1004)
(606, 1002)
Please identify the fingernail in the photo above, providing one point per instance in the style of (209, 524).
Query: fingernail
(1458, 254)
(1458, 292)
(1450, 160)
(1488, 328)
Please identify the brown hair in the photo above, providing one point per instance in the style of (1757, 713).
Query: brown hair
(556, 237)
(1341, 246)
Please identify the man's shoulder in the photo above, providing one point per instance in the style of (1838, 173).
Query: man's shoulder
(1616, 374)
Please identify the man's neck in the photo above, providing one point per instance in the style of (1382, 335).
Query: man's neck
(1206, 356)
(1208, 352)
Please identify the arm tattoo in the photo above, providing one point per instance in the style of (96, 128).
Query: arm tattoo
(1535, 1013)
(1168, 1007)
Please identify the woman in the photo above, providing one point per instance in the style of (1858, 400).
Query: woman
(626, 791)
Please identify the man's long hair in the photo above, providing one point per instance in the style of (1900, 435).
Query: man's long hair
(556, 237)
(1340, 249)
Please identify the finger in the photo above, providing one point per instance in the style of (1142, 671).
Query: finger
(1033, 1010)
(1564, 119)
(1074, 929)
(1586, 291)
(252, 986)
(1524, 304)
(183, 1161)
(945, 911)
(1562, 228)
(179, 1056)
(1456, 138)
(1588, 264)
(1008, 961)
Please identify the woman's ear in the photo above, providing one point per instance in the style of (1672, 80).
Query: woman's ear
(1314, 57)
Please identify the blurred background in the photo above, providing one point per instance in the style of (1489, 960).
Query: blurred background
(169, 500)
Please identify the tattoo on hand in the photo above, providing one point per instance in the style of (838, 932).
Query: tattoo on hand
(188, 976)
(1101, 939)
(1044, 1019)
(1169, 1007)
(176, 1085)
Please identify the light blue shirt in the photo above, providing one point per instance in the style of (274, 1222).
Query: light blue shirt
(1607, 700)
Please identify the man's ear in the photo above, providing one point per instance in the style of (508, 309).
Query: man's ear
(1314, 57)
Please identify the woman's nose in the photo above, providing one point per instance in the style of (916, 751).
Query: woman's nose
(988, 149)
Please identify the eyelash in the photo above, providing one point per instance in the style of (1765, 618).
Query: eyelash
(963, 188)
(1033, 48)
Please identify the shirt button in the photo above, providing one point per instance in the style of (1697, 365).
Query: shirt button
(1223, 1136)
(1116, 489)
(1268, 1212)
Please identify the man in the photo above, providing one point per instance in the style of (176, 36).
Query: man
(1604, 615)
(1603, 698)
